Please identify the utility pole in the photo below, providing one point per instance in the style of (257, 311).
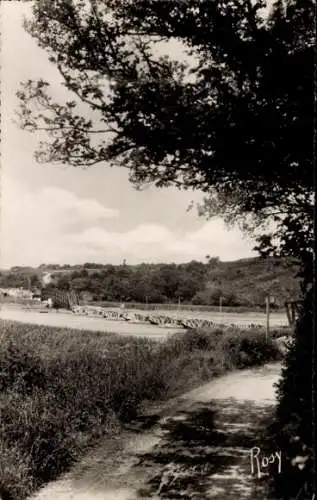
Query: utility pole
(28, 282)
(267, 304)
(220, 304)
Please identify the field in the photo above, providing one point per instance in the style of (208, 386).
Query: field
(62, 389)
(69, 320)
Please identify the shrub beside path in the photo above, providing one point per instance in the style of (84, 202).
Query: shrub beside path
(193, 447)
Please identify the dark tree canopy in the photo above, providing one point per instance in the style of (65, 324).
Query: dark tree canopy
(234, 118)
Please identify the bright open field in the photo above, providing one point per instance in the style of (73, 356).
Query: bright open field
(69, 320)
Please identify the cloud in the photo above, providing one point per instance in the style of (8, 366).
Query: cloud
(155, 243)
(54, 225)
(34, 224)
(70, 207)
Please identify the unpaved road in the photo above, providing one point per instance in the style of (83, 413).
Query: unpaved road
(194, 447)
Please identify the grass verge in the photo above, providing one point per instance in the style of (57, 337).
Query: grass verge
(62, 389)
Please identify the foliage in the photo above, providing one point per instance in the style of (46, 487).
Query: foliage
(233, 116)
(293, 430)
(243, 351)
(243, 283)
(89, 383)
(19, 278)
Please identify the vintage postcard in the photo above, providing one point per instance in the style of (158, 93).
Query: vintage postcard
(157, 250)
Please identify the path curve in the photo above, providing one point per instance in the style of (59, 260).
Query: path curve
(193, 447)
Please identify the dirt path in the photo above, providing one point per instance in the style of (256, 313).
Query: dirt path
(194, 447)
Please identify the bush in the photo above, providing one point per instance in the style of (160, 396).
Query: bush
(223, 350)
(292, 430)
(63, 389)
(282, 331)
(246, 349)
(196, 339)
(15, 478)
(20, 368)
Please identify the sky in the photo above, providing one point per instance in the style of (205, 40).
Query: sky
(61, 214)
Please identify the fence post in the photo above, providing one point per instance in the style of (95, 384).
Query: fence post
(220, 304)
(267, 302)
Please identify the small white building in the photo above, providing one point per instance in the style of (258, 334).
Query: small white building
(46, 279)
(18, 293)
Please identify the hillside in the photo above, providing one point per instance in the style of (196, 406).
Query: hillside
(244, 282)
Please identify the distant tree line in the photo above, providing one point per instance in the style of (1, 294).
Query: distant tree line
(240, 283)
(17, 278)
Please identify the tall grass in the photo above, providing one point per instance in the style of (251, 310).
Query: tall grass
(61, 389)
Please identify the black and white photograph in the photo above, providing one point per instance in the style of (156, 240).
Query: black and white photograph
(157, 211)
